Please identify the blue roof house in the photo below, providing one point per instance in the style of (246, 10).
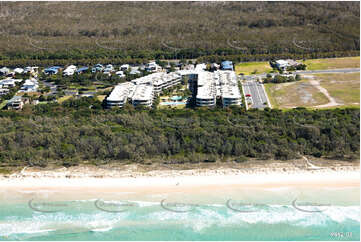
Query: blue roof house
(82, 69)
(227, 65)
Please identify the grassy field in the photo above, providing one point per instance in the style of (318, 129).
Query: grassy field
(295, 94)
(248, 68)
(344, 87)
(3, 104)
(62, 99)
(101, 97)
(333, 63)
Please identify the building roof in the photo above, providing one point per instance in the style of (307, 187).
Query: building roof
(227, 65)
(143, 93)
(15, 99)
(281, 62)
(83, 68)
(201, 67)
(206, 85)
(121, 92)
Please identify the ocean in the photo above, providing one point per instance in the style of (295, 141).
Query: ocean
(203, 214)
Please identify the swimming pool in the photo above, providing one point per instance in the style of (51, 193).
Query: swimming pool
(176, 98)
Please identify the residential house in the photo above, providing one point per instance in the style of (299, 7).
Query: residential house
(4, 71)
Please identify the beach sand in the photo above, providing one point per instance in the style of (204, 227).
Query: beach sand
(166, 180)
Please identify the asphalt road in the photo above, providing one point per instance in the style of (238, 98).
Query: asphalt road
(258, 95)
(345, 70)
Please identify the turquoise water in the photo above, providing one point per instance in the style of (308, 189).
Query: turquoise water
(176, 98)
(223, 214)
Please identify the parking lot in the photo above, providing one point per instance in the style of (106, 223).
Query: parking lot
(255, 95)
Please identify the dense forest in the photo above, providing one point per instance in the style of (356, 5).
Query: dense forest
(80, 130)
(46, 32)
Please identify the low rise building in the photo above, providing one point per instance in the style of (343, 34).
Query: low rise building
(17, 102)
(284, 64)
(206, 90)
(120, 94)
(18, 70)
(30, 85)
(152, 67)
(229, 89)
(124, 67)
(33, 70)
(4, 71)
(143, 95)
(227, 65)
(69, 71)
(4, 91)
(82, 69)
(52, 70)
(9, 83)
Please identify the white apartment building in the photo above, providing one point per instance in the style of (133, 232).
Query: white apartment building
(143, 95)
(229, 88)
(206, 89)
(164, 81)
(119, 96)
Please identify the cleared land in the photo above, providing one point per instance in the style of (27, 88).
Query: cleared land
(317, 91)
(333, 63)
(248, 68)
(343, 87)
(295, 94)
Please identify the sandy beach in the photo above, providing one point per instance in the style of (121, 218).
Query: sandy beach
(128, 180)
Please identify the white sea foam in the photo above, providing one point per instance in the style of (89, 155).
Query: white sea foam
(102, 229)
(198, 219)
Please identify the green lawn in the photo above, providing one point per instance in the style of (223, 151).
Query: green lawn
(333, 63)
(248, 68)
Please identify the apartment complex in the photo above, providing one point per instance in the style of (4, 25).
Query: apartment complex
(141, 91)
(229, 89)
(207, 87)
(222, 85)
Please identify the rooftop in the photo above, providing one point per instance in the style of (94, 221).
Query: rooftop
(206, 85)
(143, 93)
(121, 91)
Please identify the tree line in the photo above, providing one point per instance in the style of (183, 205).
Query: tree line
(80, 130)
